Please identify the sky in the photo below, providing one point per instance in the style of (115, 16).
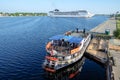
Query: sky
(93, 6)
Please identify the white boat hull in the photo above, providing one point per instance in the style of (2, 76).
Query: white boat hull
(82, 16)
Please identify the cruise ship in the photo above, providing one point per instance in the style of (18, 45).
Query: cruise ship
(79, 13)
(65, 50)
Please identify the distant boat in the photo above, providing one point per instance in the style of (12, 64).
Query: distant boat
(79, 13)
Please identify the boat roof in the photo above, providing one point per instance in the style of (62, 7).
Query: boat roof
(75, 40)
(56, 37)
(71, 39)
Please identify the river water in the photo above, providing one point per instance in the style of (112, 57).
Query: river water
(23, 40)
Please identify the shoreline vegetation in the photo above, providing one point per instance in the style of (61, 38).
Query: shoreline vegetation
(22, 14)
(117, 31)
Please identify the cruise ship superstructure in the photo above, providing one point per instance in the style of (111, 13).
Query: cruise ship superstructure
(79, 13)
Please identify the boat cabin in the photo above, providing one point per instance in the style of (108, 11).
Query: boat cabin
(65, 44)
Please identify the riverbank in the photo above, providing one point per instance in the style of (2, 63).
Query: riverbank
(113, 53)
(22, 14)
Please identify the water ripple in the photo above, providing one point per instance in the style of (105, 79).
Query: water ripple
(22, 43)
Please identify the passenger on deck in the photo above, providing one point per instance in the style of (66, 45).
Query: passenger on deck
(63, 42)
(67, 43)
(73, 45)
(76, 30)
(84, 30)
(59, 42)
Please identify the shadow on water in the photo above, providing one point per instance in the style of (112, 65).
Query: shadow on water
(67, 73)
(84, 69)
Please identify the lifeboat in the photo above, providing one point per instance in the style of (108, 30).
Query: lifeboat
(51, 58)
(74, 50)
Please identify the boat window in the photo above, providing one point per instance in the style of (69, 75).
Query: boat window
(52, 66)
(73, 55)
(80, 44)
(48, 61)
(60, 58)
(73, 45)
(55, 42)
(63, 58)
(53, 62)
(76, 54)
(48, 54)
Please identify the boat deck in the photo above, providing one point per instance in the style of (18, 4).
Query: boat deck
(77, 34)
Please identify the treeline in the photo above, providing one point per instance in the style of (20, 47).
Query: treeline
(117, 15)
(117, 31)
(23, 14)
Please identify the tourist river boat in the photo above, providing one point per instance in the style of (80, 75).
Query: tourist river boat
(65, 50)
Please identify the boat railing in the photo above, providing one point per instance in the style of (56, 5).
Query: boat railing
(68, 48)
(69, 61)
(64, 61)
(57, 46)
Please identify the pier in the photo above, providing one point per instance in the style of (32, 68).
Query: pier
(97, 50)
(105, 50)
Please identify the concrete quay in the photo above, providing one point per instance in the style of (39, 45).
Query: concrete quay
(114, 55)
(109, 24)
(113, 66)
(96, 51)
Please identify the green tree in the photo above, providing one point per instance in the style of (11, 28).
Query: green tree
(117, 33)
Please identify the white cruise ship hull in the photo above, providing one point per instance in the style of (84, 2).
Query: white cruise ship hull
(82, 16)
(79, 13)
